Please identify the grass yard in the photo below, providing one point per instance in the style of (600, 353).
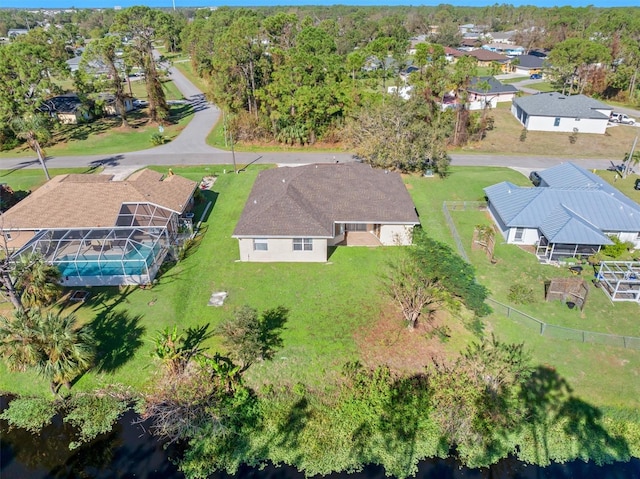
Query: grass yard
(104, 135)
(334, 306)
(505, 139)
(31, 178)
(331, 305)
(543, 86)
(604, 376)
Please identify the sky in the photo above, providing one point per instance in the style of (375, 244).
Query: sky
(247, 3)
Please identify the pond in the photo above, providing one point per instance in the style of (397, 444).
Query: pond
(129, 451)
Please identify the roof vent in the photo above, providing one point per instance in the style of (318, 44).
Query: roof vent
(283, 180)
(255, 202)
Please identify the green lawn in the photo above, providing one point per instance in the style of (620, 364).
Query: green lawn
(104, 135)
(543, 86)
(31, 178)
(330, 304)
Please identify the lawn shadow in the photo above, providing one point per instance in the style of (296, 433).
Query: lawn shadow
(293, 425)
(208, 196)
(180, 111)
(117, 336)
(113, 160)
(548, 400)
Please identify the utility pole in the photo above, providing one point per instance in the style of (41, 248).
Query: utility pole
(233, 153)
(629, 159)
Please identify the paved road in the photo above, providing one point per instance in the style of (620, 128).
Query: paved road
(190, 148)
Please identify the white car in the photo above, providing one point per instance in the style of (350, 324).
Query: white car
(621, 118)
(140, 103)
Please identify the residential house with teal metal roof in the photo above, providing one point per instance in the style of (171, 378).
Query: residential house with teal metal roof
(573, 212)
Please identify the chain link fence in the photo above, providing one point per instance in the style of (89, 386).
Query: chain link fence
(542, 328)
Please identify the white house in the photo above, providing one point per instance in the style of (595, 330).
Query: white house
(561, 113)
(573, 212)
(295, 214)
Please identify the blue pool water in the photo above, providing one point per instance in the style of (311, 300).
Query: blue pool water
(134, 262)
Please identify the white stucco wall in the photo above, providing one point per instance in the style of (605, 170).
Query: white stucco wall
(584, 125)
(631, 237)
(281, 250)
(529, 237)
(396, 235)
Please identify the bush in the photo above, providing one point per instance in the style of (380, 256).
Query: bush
(31, 414)
(521, 294)
(523, 135)
(94, 414)
(158, 139)
(617, 249)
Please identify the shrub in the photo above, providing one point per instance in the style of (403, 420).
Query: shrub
(94, 414)
(523, 135)
(521, 294)
(617, 249)
(158, 139)
(31, 414)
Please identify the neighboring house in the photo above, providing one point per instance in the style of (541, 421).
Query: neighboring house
(69, 109)
(452, 54)
(573, 212)
(403, 92)
(414, 42)
(528, 64)
(485, 91)
(556, 112)
(486, 58)
(504, 49)
(506, 38)
(109, 103)
(469, 44)
(16, 32)
(101, 232)
(296, 213)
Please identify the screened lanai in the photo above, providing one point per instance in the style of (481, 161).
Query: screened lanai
(129, 253)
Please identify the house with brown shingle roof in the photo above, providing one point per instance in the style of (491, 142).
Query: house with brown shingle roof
(99, 231)
(294, 214)
(486, 58)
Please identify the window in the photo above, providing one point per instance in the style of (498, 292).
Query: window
(8, 236)
(519, 234)
(260, 244)
(556, 122)
(302, 244)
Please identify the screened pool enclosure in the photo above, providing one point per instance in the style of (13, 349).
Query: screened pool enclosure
(129, 253)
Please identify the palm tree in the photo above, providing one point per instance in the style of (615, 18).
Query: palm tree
(66, 350)
(36, 280)
(35, 130)
(50, 344)
(18, 344)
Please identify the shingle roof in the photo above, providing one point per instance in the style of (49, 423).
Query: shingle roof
(530, 61)
(454, 52)
(487, 56)
(555, 104)
(495, 86)
(76, 201)
(307, 200)
(566, 214)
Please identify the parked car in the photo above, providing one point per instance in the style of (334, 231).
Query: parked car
(637, 185)
(621, 118)
(535, 178)
(140, 103)
(536, 76)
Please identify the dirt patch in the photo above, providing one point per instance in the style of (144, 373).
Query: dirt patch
(389, 342)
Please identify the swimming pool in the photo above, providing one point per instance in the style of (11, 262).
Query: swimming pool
(134, 262)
